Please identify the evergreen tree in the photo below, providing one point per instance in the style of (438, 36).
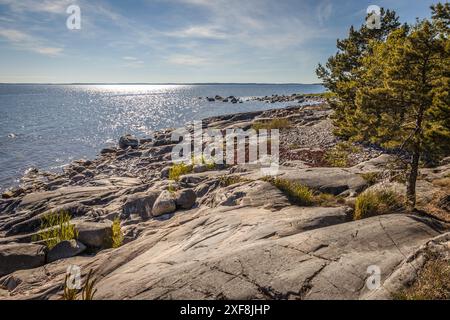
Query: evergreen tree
(342, 72)
(399, 96)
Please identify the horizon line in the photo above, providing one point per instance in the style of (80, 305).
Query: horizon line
(158, 83)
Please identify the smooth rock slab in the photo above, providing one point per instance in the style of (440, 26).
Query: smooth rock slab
(65, 249)
(21, 256)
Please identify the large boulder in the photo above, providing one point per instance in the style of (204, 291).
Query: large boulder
(185, 198)
(164, 204)
(21, 256)
(94, 234)
(65, 249)
(128, 141)
(140, 203)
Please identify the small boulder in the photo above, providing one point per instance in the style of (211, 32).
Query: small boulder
(165, 172)
(94, 234)
(128, 141)
(164, 204)
(186, 198)
(140, 203)
(20, 256)
(78, 177)
(65, 249)
(108, 151)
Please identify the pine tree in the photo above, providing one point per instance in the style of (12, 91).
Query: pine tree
(404, 100)
(342, 72)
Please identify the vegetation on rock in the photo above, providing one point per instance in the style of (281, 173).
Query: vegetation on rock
(376, 202)
(56, 227)
(391, 88)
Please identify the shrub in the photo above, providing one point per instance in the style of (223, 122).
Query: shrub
(338, 156)
(298, 193)
(376, 202)
(178, 170)
(56, 227)
(117, 235)
(277, 123)
(432, 283)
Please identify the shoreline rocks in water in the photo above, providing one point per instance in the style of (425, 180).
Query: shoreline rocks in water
(226, 231)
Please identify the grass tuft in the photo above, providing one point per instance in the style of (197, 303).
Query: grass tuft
(117, 234)
(226, 181)
(178, 170)
(298, 193)
(375, 202)
(56, 227)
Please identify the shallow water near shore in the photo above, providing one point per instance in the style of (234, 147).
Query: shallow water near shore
(47, 126)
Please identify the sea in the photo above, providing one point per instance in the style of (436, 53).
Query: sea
(47, 126)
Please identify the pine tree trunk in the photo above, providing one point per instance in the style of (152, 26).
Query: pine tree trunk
(411, 184)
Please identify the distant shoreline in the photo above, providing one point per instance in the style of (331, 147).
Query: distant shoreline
(167, 83)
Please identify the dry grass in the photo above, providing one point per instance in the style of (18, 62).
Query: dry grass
(433, 283)
(296, 192)
(376, 202)
(371, 177)
(226, 181)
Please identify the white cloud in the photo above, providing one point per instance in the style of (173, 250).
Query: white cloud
(49, 6)
(187, 60)
(24, 41)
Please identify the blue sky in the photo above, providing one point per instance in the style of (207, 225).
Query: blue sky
(276, 41)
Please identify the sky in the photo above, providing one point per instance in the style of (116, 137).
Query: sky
(179, 41)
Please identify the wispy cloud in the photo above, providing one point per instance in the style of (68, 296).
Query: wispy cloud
(187, 60)
(324, 12)
(24, 41)
(49, 6)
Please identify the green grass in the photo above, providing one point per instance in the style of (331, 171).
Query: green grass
(376, 202)
(56, 227)
(432, 283)
(298, 193)
(117, 235)
(277, 123)
(178, 170)
(338, 156)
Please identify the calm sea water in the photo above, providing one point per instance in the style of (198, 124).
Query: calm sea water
(47, 126)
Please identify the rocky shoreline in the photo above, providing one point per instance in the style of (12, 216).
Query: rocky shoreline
(223, 232)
